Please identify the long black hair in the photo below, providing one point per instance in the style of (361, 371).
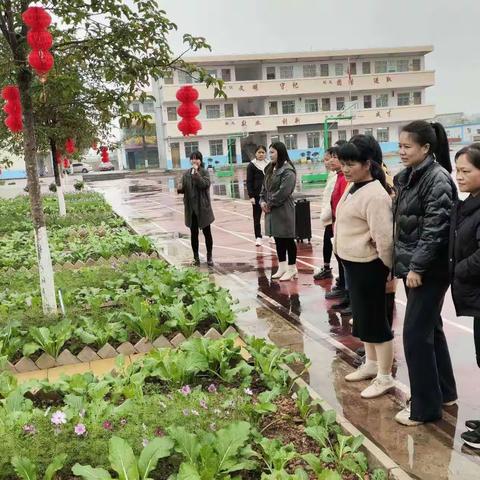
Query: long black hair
(435, 135)
(197, 155)
(472, 152)
(363, 149)
(282, 154)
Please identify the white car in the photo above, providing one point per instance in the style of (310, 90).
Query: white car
(80, 168)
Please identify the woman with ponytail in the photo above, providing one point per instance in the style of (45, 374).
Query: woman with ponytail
(364, 242)
(425, 193)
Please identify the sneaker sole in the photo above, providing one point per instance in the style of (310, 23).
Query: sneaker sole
(472, 445)
(413, 424)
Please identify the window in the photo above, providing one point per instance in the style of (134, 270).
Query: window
(416, 64)
(286, 71)
(354, 98)
(326, 104)
(168, 80)
(228, 110)
(274, 138)
(273, 108)
(313, 139)
(324, 70)
(190, 147)
(355, 131)
(172, 114)
(417, 98)
(402, 65)
(213, 111)
(366, 68)
(148, 107)
(369, 131)
(271, 73)
(382, 134)
(353, 68)
(288, 106)
(226, 75)
(309, 70)
(403, 99)
(342, 135)
(382, 100)
(340, 103)
(367, 101)
(135, 107)
(212, 73)
(184, 77)
(311, 105)
(216, 147)
(338, 69)
(290, 141)
(381, 66)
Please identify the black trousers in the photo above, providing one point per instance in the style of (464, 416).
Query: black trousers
(327, 244)
(207, 233)
(426, 351)
(341, 274)
(257, 215)
(476, 337)
(285, 245)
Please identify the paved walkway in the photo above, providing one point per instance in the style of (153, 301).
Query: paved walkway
(295, 314)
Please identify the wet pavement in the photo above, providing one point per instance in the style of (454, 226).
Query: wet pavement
(295, 314)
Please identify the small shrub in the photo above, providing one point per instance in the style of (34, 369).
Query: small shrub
(79, 185)
(52, 187)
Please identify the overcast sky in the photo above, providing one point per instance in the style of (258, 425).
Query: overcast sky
(266, 26)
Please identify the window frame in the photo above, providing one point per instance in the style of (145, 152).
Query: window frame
(274, 73)
(324, 67)
(309, 65)
(382, 130)
(338, 69)
(365, 97)
(189, 145)
(382, 96)
(208, 110)
(403, 96)
(326, 101)
(215, 143)
(316, 139)
(169, 110)
(288, 138)
(369, 63)
(281, 74)
(289, 102)
(312, 102)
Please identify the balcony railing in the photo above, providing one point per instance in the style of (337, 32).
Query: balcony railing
(269, 123)
(313, 86)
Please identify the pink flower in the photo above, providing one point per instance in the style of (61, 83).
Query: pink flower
(107, 425)
(80, 429)
(29, 429)
(203, 404)
(212, 388)
(185, 390)
(248, 391)
(159, 432)
(58, 418)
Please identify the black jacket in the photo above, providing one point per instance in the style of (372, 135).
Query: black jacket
(255, 178)
(423, 203)
(465, 257)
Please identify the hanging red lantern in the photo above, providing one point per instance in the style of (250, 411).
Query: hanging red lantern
(66, 163)
(41, 61)
(13, 108)
(188, 110)
(40, 39)
(37, 18)
(70, 146)
(104, 154)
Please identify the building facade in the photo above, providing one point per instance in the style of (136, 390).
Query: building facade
(289, 96)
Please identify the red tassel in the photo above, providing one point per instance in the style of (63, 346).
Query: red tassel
(36, 18)
(104, 154)
(40, 39)
(41, 61)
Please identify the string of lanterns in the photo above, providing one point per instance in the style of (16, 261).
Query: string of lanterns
(13, 108)
(188, 110)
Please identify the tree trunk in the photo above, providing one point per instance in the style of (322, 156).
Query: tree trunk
(58, 180)
(47, 287)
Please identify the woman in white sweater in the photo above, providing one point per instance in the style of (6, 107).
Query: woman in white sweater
(364, 241)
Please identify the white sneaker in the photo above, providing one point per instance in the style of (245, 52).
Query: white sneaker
(403, 417)
(350, 322)
(258, 242)
(363, 372)
(282, 268)
(450, 404)
(291, 272)
(271, 240)
(378, 387)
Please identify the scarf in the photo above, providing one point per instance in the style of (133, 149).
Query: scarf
(260, 165)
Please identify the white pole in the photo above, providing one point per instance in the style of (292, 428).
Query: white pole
(47, 287)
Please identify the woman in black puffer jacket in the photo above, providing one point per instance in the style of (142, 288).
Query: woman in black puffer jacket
(465, 256)
(425, 193)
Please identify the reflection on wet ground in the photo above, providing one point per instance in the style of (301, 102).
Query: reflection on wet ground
(296, 315)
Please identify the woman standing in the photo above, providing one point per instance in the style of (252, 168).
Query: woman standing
(255, 176)
(425, 193)
(363, 241)
(198, 207)
(277, 204)
(465, 256)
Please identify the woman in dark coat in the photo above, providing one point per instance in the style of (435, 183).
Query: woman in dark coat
(198, 207)
(465, 256)
(255, 176)
(277, 204)
(425, 193)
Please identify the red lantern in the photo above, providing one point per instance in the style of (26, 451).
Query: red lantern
(11, 93)
(70, 146)
(41, 61)
(188, 110)
(66, 163)
(13, 108)
(14, 124)
(104, 154)
(36, 18)
(40, 39)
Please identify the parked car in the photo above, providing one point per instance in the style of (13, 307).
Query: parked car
(106, 167)
(80, 167)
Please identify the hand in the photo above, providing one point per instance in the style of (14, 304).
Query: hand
(194, 168)
(414, 280)
(253, 201)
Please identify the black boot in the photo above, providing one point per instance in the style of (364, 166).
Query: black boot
(209, 260)
(196, 260)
